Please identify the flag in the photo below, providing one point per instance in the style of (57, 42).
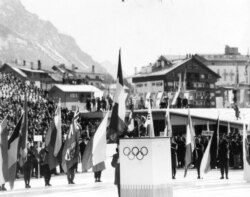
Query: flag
(237, 77)
(183, 84)
(209, 158)
(117, 120)
(189, 144)
(23, 136)
(95, 151)
(58, 125)
(13, 143)
(53, 139)
(206, 159)
(149, 124)
(70, 150)
(3, 151)
(178, 91)
(228, 128)
(246, 153)
(214, 145)
(168, 126)
(131, 122)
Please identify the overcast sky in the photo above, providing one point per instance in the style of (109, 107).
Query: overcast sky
(145, 29)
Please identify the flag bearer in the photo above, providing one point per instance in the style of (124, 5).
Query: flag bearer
(44, 159)
(27, 168)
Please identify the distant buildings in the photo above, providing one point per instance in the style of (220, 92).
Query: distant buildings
(73, 95)
(227, 65)
(234, 69)
(164, 76)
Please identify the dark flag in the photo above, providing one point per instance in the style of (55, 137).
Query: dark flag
(23, 136)
(117, 120)
(214, 145)
(13, 143)
(3, 151)
(70, 151)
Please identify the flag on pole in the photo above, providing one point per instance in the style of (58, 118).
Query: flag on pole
(149, 124)
(58, 125)
(117, 120)
(214, 145)
(13, 143)
(3, 151)
(237, 77)
(53, 138)
(246, 153)
(208, 129)
(95, 151)
(206, 159)
(209, 158)
(168, 126)
(183, 84)
(70, 150)
(178, 91)
(228, 128)
(190, 145)
(131, 122)
(23, 150)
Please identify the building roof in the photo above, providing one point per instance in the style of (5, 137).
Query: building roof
(77, 88)
(18, 71)
(163, 71)
(174, 66)
(31, 70)
(56, 77)
(223, 57)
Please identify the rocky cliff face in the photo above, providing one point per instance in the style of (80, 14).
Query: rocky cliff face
(23, 36)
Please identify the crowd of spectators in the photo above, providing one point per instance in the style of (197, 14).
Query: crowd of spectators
(41, 109)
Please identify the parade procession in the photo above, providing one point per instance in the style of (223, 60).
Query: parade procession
(177, 126)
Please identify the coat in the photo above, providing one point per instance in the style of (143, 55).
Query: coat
(116, 165)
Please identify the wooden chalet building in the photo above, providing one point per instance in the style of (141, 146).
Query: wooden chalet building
(163, 77)
(73, 95)
(37, 77)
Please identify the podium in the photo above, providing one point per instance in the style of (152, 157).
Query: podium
(145, 167)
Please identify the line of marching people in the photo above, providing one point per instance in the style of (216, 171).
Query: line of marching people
(221, 161)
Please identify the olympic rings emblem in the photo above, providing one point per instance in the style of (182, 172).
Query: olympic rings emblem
(135, 152)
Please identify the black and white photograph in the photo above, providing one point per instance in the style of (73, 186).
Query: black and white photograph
(125, 98)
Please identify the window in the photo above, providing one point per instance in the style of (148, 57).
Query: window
(139, 85)
(211, 85)
(170, 83)
(145, 85)
(211, 94)
(159, 84)
(73, 95)
(153, 84)
(202, 76)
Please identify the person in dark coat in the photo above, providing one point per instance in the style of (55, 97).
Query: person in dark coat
(116, 164)
(179, 102)
(199, 149)
(71, 174)
(173, 157)
(34, 161)
(88, 103)
(27, 168)
(223, 157)
(44, 159)
(184, 102)
(2, 188)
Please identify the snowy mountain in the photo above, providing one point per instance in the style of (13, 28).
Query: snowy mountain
(23, 36)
